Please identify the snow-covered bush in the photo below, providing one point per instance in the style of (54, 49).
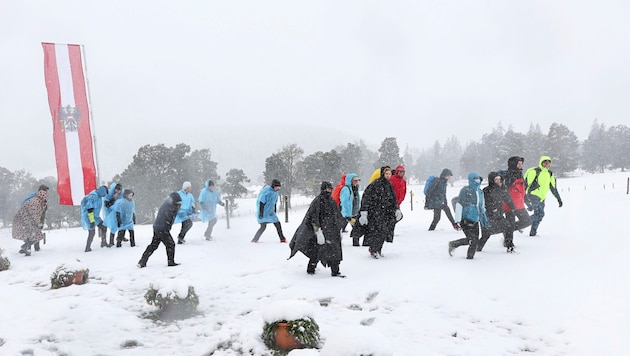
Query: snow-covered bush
(69, 273)
(4, 262)
(175, 298)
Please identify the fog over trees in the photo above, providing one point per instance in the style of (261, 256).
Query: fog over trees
(157, 170)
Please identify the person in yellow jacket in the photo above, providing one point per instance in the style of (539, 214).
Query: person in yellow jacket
(539, 181)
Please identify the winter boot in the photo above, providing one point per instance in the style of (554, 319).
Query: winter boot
(88, 245)
(103, 242)
(111, 240)
(335, 271)
(170, 256)
(36, 246)
(132, 238)
(451, 248)
(355, 241)
(102, 231)
(310, 269)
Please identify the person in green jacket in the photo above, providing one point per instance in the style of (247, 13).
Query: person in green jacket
(539, 181)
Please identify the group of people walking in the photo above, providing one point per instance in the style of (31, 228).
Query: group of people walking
(501, 207)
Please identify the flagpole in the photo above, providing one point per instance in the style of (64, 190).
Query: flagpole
(89, 99)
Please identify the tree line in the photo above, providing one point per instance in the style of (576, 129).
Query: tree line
(157, 170)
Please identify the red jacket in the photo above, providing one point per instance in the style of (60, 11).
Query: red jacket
(337, 191)
(400, 184)
(517, 193)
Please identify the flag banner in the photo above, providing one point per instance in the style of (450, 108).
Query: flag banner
(72, 136)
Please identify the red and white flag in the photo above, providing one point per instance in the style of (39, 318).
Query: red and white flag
(67, 98)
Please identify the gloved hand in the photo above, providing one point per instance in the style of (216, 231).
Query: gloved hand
(559, 203)
(352, 221)
(221, 203)
(457, 227)
(320, 237)
(399, 215)
(363, 218)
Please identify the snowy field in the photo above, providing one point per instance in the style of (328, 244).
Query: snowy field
(564, 293)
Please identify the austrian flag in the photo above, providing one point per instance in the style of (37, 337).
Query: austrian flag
(67, 99)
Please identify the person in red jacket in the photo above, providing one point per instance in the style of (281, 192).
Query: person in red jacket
(399, 183)
(515, 184)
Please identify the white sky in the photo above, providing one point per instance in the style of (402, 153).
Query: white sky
(564, 293)
(203, 72)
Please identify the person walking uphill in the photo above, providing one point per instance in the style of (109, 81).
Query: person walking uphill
(184, 215)
(162, 230)
(266, 210)
(209, 197)
(515, 185)
(91, 206)
(399, 183)
(29, 220)
(539, 181)
(436, 200)
(319, 235)
(379, 212)
(495, 196)
(471, 212)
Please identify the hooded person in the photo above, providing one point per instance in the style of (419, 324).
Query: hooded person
(515, 185)
(319, 235)
(113, 194)
(436, 200)
(495, 196)
(123, 218)
(29, 221)
(91, 206)
(399, 183)
(379, 212)
(208, 199)
(184, 215)
(266, 210)
(471, 213)
(350, 201)
(162, 230)
(540, 181)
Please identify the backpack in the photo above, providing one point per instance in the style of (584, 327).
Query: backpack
(535, 184)
(336, 194)
(427, 184)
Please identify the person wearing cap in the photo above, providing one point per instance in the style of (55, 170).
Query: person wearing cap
(539, 181)
(208, 199)
(266, 210)
(91, 206)
(319, 235)
(162, 230)
(113, 194)
(399, 183)
(470, 211)
(29, 221)
(436, 200)
(184, 215)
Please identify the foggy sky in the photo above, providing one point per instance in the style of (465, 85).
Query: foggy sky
(211, 73)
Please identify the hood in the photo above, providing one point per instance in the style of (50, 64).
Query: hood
(471, 179)
(324, 186)
(513, 161)
(491, 177)
(127, 192)
(400, 168)
(446, 172)
(174, 198)
(544, 158)
(349, 178)
(101, 191)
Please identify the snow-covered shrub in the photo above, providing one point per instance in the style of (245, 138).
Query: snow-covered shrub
(176, 299)
(4, 262)
(69, 273)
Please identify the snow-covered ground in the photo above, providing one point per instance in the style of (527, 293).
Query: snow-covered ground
(564, 293)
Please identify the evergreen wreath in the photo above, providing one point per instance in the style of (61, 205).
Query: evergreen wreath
(63, 277)
(305, 330)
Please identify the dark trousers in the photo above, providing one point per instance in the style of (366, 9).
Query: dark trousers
(523, 221)
(160, 237)
(471, 230)
(262, 228)
(121, 237)
(498, 224)
(186, 225)
(211, 224)
(437, 214)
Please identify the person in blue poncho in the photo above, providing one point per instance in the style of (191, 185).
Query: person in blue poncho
(266, 210)
(184, 215)
(209, 197)
(123, 218)
(91, 206)
(470, 212)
